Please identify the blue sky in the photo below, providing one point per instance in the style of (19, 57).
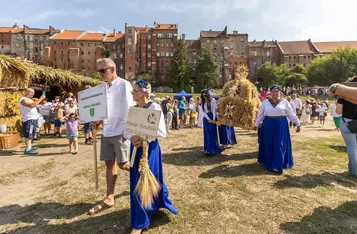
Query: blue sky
(319, 20)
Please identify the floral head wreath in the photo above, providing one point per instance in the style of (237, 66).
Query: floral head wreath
(142, 83)
(275, 87)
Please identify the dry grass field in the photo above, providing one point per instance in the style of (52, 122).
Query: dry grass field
(228, 193)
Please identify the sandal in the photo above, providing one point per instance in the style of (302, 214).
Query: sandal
(137, 231)
(101, 206)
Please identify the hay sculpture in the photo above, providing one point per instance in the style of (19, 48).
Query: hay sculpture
(147, 188)
(239, 103)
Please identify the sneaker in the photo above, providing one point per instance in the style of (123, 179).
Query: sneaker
(70, 151)
(30, 152)
(34, 148)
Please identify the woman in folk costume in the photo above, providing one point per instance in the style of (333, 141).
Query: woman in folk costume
(140, 216)
(275, 150)
(227, 136)
(210, 131)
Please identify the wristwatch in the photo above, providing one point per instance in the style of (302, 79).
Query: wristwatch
(333, 88)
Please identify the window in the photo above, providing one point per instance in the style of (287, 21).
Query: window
(82, 61)
(289, 57)
(121, 56)
(149, 64)
(167, 44)
(208, 41)
(129, 41)
(162, 54)
(172, 54)
(167, 54)
(294, 65)
(95, 44)
(53, 42)
(129, 68)
(304, 64)
(130, 50)
(149, 37)
(88, 44)
(308, 56)
(242, 40)
(69, 43)
(122, 46)
(294, 57)
(129, 31)
(82, 44)
(304, 56)
(149, 46)
(61, 43)
(194, 52)
(172, 44)
(169, 35)
(149, 55)
(88, 61)
(82, 53)
(61, 52)
(230, 40)
(268, 52)
(255, 52)
(88, 53)
(157, 44)
(158, 54)
(121, 67)
(162, 45)
(82, 68)
(113, 46)
(160, 35)
(118, 46)
(214, 41)
(194, 61)
(36, 41)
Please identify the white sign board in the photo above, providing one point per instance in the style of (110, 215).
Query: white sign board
(93, 104)
(143, 122)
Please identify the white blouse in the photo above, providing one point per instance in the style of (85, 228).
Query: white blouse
(282, 109)
(213, 109)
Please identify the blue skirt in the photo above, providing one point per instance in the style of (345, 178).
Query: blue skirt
(210, 144)
(227, 135)
(275, 150)
(140, 217)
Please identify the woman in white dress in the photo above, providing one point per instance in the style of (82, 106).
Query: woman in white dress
(200, 113)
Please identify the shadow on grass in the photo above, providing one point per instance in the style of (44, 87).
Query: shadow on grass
(195, 157)
(339, 148)
(342, 219)
(312, 181)
(39, 212)
(10, 152)
(227, 171)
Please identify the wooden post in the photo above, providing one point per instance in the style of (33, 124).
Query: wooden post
(94, 131)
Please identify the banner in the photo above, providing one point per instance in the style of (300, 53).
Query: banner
(93, 104)
(143, 122)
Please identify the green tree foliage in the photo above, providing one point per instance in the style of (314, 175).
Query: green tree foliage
(179, 75)
(267, 73)
(333, 68)
(96, 76)
(207, 71)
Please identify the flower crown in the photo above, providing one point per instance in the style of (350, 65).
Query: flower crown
(142, 83)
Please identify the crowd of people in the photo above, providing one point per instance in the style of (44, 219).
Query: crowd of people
(277, 114)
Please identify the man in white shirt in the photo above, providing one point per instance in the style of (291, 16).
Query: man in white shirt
(298, 105)
(114, 147)
(29, 118)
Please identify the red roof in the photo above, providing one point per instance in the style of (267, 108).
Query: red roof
(111, 38)
(297, 47)
(329, 47)
(67, 35)
(92, 37)
(193, 44)
(6, 29)
(143, 29)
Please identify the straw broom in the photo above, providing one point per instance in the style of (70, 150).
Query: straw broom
(147, 187)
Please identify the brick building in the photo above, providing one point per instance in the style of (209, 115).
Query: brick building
(328, 47)
(261, 52)
(296, 52)
(230, 50)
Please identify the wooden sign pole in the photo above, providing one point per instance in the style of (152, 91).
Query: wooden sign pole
(94, 131)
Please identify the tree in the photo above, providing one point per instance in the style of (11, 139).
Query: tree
(96, 76)
(333, 68)
(295, 80)
(207, 70)
(267, 73)
(179, 75)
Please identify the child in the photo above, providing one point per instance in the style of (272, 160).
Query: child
(72, 132)
(322, 114)
(58, 113)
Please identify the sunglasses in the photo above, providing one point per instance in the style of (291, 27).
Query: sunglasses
(102, 71)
